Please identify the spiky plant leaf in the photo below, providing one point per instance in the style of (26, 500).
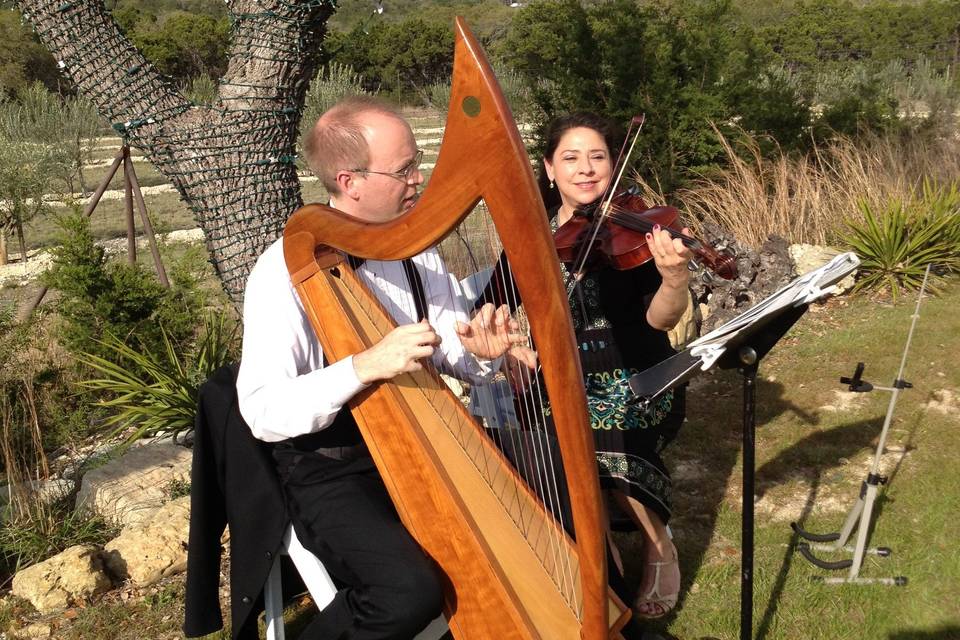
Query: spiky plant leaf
(896, 243)
(158, 393)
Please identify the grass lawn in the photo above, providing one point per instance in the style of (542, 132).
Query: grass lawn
(815, 444)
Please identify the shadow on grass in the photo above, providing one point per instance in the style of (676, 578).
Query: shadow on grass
(947, 632)
(816, 454)
(712, 442)
(713, 438)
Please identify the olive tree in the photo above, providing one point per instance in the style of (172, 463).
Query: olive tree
(232, 161)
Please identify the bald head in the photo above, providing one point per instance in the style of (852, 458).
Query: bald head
(340, 138)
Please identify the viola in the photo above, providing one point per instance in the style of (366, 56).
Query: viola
(621, 238)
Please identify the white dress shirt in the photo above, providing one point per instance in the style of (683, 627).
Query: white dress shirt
(283, 388)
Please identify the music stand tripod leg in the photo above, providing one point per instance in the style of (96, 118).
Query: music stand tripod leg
(863, 532)
(874, 480)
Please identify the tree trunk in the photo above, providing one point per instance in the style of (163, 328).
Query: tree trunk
(23, 243)
(3, 247)
(232, 163)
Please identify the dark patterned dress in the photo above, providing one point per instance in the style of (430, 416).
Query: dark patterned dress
(609, 310)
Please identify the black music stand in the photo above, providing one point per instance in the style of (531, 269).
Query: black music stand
(742, 343)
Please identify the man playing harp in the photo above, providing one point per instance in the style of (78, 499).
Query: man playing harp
(366, 156)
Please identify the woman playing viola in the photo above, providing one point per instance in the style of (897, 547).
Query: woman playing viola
(621, 319)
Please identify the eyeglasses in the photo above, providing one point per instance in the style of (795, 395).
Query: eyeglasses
(404, 174)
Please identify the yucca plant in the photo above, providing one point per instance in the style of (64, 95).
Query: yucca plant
(158, 394)
(896, 243)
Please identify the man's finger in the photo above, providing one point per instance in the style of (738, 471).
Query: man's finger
(486, 313)
(423, 351)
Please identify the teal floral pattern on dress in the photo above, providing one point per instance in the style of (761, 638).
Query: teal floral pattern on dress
(610, 401)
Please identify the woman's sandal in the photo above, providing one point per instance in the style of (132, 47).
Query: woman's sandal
(664, 602)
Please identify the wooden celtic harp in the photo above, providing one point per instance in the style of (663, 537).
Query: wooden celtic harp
(500, 577)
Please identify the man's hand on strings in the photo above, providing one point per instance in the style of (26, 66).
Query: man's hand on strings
(520, 365)
(397, 352)
(671, 256)
(491, 332)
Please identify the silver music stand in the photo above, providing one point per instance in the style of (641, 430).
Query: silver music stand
(859, 517)
(741, 344)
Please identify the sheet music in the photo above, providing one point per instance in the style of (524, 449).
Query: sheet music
(804, 289)
(704, 352)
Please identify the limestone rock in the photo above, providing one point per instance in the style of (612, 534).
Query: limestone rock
(34, 631)
(154, 548)
(807, 257)
(71, 576)
(133, 487)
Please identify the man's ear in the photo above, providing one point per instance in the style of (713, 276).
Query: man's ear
(347, 183)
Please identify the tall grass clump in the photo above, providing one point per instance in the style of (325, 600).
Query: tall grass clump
(37, 414)
(200, 89)
(157, 396)
(36, 528)
(810, 198)
(438, 95)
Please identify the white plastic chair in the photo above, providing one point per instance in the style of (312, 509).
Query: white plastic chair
(318, 583)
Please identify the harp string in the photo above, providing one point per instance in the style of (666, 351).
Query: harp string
(557, 557)
(531, 443)
(532, 406)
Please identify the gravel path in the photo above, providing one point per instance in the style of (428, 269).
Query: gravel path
(19, 274)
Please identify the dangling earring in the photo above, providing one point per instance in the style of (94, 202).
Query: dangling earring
(551, 184)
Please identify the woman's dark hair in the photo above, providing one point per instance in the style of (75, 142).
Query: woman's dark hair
(555, 131)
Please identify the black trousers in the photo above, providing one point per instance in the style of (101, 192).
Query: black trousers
(342, 513)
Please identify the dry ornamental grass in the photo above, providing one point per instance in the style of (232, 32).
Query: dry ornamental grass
(808, 198)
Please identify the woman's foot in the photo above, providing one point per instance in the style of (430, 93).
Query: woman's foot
(660, 586)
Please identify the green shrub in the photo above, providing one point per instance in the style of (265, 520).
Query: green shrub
(853, 103)
(332, 83)
(512, 84)
(158, 395)
(897, 243)
(99, 297)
